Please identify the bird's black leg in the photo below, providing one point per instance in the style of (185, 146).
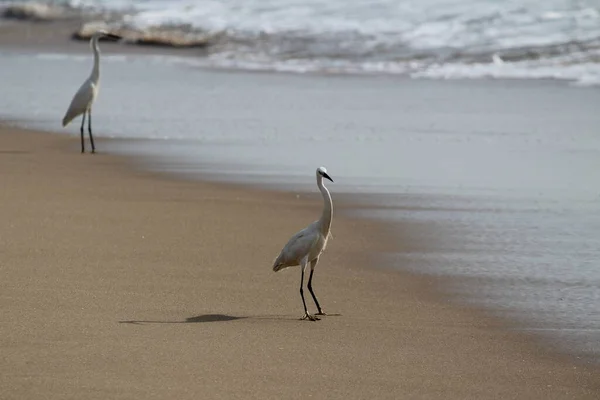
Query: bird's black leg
(90, 130)
(82, 125)
(306, 314)
(313, 264)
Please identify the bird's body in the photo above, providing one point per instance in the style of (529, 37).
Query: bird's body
(295, 251)
(84, 98)
(82, 101)
(307, 245)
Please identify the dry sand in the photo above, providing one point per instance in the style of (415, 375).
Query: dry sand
(122, 284)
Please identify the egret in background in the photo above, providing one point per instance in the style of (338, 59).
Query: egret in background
(307, 245)
(85, 96)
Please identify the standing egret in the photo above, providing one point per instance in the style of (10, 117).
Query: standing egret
(307, 245)
(85, 96)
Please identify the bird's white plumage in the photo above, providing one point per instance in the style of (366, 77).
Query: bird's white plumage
(82, 101)
(306, 246)
(87, 93)
(309, 243)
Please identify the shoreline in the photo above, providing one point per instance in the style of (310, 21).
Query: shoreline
(510, 357)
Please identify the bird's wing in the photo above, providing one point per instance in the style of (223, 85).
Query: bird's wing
(80, 103)
(297, 247)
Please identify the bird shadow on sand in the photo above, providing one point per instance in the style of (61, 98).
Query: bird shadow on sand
(190, 320)
(217, 318)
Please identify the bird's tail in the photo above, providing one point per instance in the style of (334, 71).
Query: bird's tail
(70, 115)
(278, 264)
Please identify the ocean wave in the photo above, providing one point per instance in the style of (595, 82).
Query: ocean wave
(557, 39)
(582, 74)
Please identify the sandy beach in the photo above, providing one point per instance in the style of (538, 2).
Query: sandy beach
(119, 283)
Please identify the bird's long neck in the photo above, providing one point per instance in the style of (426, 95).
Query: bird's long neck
(325, 221)
(95, 76)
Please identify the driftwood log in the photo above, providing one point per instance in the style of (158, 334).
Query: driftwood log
(159, 37)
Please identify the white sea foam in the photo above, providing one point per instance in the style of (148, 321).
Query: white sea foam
(584, 74)
(422, 38)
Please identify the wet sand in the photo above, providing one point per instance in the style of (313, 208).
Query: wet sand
(119, 283)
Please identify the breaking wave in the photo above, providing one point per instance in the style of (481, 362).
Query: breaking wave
(558, 39)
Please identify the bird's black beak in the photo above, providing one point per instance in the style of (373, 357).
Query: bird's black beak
(110, 36)
(327, 176)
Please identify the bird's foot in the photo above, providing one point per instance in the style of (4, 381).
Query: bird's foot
(321, 312)
(310, 317)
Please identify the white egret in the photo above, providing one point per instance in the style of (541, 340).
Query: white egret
(307, 245)
(85, 96)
